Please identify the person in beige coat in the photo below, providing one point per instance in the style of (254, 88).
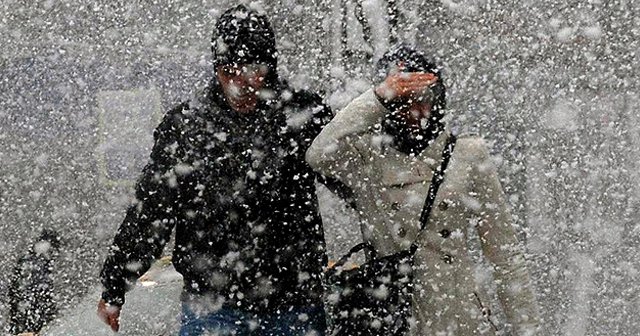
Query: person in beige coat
(384, 146)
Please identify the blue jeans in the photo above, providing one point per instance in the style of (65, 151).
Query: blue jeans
(297, 321)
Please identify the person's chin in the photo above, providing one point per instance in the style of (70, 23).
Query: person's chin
(243, 108)
(240, 103)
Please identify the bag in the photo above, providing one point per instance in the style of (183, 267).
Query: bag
(375, 298)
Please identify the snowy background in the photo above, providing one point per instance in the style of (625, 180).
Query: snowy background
(552, 84)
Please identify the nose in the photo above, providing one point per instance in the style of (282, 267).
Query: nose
(242, 84)
(239, 80)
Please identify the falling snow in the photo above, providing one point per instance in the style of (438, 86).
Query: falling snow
(551, 85)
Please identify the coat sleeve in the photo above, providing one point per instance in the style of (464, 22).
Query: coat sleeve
(321, 116)
(500, 244)
(333, 153)
(149, 221)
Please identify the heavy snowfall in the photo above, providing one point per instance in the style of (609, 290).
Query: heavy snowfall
(551, 85)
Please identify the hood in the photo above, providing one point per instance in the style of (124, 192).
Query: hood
(244, 36)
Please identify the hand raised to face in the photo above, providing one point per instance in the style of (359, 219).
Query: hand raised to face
(405, 85)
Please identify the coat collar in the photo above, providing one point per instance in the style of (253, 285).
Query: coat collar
(432, 155)
(400, 169)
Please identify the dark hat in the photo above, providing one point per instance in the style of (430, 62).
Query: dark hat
(405, 59)
(50, 236)
(244, 36)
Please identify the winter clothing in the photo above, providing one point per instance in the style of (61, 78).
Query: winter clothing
(31, 294)
(404, 58)
(297, 321)
(237, 190)
(390, 189)
(243, 37)
(242, 200)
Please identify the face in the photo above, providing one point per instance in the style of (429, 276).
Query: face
(241, 85)
(416, 115)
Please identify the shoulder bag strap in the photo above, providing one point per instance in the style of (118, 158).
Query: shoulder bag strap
(436, 181)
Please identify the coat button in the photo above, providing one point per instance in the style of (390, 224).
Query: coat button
(444, 205)
(402, 232)
(447, 258)
(444, 233)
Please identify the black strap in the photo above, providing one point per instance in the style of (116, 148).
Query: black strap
(354, 250)
(339, 189)
(436, 181)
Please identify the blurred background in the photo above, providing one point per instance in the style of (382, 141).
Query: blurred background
(551, 84)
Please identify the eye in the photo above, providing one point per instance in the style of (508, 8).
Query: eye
(251, 70)
(231, 71)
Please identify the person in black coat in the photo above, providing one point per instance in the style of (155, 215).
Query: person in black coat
(31, 293)
(228, 173)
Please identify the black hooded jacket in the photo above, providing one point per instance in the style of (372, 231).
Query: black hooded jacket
(236, 189)
(241, 198)
(32, 301)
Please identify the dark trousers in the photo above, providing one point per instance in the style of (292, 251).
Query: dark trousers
(295, 321)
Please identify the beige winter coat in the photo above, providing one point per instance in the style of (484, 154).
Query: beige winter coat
(390, 189)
